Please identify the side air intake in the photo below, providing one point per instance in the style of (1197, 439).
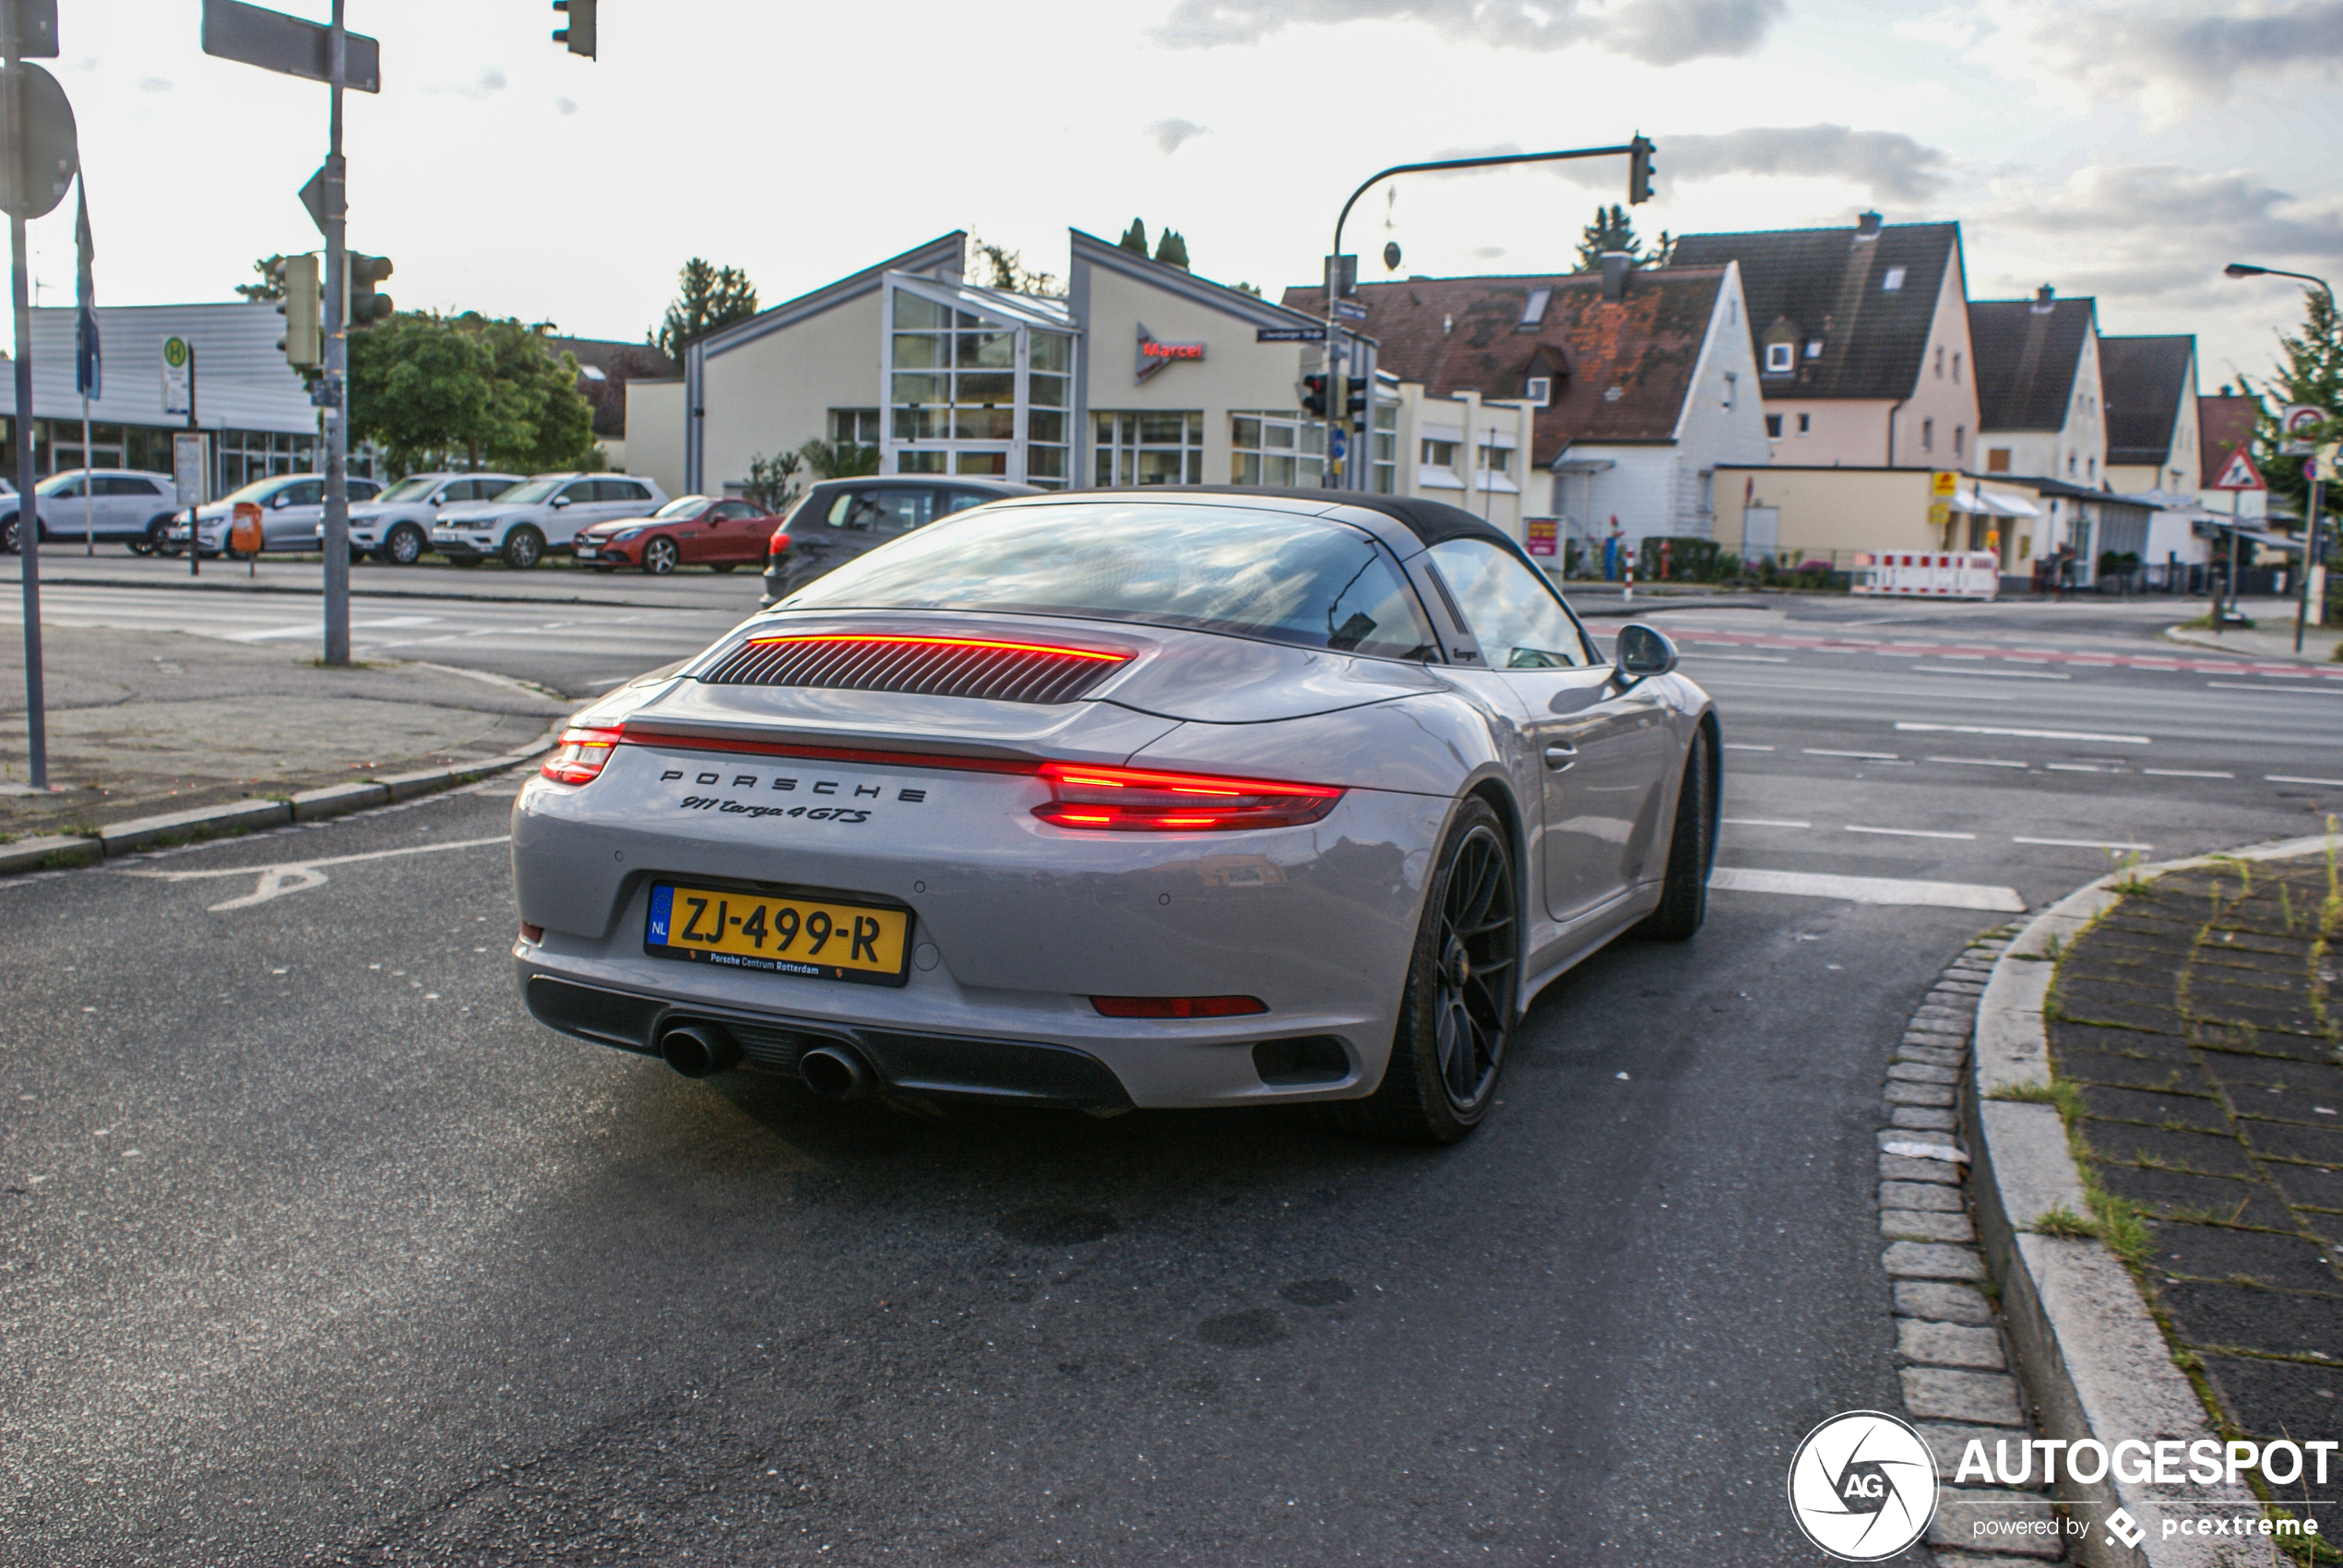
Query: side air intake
(941, 666)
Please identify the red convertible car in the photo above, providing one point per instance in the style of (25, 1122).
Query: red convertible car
(691, 530)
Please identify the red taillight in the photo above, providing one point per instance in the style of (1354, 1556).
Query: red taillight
(1178, 1006)
(581, 757)
(1130, 800)
(779, 542)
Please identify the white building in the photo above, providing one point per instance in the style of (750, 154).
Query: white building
(2039, 397)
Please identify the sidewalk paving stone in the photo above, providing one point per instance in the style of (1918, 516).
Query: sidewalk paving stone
(1950, 1345)
(1986, 1398)
(1942, 1302)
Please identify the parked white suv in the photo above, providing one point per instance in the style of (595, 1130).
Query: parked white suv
(127, 505)
(396, 526)
(541, 514)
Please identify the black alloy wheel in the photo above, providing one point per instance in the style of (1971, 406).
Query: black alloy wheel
(150, 542)
(1692, 850)
(9, 541)
(405, 545)
(524, 547)
(1456, 1012)
(659, 556)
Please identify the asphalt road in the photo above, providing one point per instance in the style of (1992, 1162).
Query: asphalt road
(319, 1249)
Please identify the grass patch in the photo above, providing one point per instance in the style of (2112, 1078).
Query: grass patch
(2060, 1220)
(2065, 1095)
(2119, 1223)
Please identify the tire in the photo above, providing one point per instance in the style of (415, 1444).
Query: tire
(524, 547)
(660, 557)
(721, 567)
(1692, 850)
(1455, 1019)
(9, 541)
(404, 546)
(150, 542)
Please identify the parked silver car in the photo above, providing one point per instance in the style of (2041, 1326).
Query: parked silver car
(292, 507)
(1190, 797)
(396, 526)
(126, 505)
(541, 514)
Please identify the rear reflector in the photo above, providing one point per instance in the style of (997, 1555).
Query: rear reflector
(1130, 800)
(1178, 1006)
(581, 757)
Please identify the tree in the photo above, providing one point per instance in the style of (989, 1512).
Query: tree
(1173, 249)
(2311, 371)
(1003, 268)
(433, 390)
(707, 297)
(538, 421)
(1253, 289)
(1612, 230)
(772, 481)
(1135, 238)
(838, 459)
(270, 287)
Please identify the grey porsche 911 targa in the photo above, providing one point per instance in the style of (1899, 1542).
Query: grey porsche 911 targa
(1102, 800)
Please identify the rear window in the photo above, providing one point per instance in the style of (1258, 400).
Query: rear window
(1293, 580)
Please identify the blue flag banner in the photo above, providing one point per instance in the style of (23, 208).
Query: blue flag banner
(85, 294)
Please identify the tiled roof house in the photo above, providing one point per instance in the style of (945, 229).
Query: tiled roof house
(1860, 336)
(2152, 413)
(1641, 379)
(2040, 411)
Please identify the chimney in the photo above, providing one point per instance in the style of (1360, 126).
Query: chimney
(1616, 264)
(1867, 226)
(2042, 300)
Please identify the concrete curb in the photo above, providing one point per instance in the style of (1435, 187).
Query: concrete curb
(2094, 1359)
(2188, 637)
(245, 817)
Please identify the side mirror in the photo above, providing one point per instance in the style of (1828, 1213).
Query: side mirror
(560, 502)
(281, 500)
(1642, 650)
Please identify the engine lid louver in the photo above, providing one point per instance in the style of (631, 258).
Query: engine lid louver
(924, 666)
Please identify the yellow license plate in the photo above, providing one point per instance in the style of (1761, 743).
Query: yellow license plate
(780, 934)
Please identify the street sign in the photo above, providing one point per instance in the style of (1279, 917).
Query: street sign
(1350, 310)
(2295, 423)
(32, 184)
(1943, 485)
(2238, 473)
(1541, 535)
(1290, 335)
(275, 41)
(178, 378)
(313, 199)
(188, 467)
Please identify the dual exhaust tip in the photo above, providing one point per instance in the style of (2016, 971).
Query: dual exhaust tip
(700, 1050)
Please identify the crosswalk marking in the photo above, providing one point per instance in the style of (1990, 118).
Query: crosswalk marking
(1869, 889)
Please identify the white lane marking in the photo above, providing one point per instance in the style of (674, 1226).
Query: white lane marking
(1961, 656)
(2289, 778)
(1994, 674)
(1861, 756)
(2184, 773)
(1869, 889)
(1761, 822)
(1739, 657)
(2297, 691)
(2083, 843)
(1976, 761)
(1914, 725)
(1744, 746)
(1746, 684)
(2070, 767)
(314, 628)
(293, 876)
(1909, 832)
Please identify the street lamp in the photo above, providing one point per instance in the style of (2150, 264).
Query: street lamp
(2247, 269)
(1638, 151)
(2310, 524)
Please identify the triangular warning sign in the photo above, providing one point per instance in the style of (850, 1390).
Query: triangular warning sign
(2239, 473)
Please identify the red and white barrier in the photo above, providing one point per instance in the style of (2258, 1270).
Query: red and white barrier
(1975, 574)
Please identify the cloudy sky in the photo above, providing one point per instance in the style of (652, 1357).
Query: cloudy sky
(2121, 149)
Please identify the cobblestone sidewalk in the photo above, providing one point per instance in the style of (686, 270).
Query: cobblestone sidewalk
(2191, 1035)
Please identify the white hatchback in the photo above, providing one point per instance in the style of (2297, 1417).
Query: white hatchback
(543, 514)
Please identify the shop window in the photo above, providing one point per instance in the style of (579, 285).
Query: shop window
(1279, 448)
(1781, 358)
(1149, 447)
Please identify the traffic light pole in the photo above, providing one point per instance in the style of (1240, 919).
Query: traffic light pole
(337, 386)
(28, 509)
(1338, 388)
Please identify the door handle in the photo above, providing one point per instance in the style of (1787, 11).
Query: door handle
(1560, 757)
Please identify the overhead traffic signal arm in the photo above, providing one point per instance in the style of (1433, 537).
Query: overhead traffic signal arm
(579, 33)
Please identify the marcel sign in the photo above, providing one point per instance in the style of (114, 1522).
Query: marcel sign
(1154, 353)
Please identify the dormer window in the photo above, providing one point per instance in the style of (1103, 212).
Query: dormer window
(1894, 282)
(1781, 358)
(1539, 390)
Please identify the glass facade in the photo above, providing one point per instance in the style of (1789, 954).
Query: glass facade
(978, 381)
(1276, 448)
(1149, 448)
(238, 457)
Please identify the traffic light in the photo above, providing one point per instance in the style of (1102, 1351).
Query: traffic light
(579, 33)
(366, 305)
(1314, 395)
(1359, 397)
(1639, 153)
(303, 342)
